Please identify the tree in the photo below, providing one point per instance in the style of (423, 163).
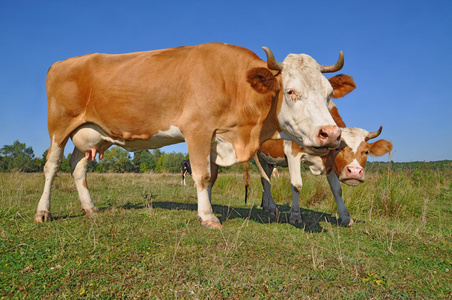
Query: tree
(171, 162)
(159, 164)
(65, 166)
(145, 160)
(115, 160)
(19, 157)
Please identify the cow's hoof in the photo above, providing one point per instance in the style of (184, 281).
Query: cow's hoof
(271, 211)
(347, 222)
(43, 216)
(91, 212)
(211, 225)
(295, 219)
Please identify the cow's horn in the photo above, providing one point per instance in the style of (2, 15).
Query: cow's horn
(374, 134)
(272, 64)
(333, 68)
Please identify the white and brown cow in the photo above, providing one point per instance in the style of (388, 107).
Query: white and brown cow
(222, 100)
(344, 164)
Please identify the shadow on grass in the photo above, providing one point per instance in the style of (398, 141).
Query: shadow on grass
(311, 219)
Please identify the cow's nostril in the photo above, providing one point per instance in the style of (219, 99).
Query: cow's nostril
(323, 134)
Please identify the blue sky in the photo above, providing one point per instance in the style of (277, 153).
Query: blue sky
(399, 53)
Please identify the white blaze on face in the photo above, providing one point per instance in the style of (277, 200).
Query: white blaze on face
(353, 137)
(304, 108)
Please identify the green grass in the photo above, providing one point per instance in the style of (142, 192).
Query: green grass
(146, 241)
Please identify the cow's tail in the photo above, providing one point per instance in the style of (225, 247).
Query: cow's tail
(246, 174)
(261, 169)
(246, 178)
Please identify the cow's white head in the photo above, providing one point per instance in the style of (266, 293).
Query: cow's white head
(349, 159)
(304, 117)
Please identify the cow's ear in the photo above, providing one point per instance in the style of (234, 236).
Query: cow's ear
(262, 80)
(342, 85)
(380, 147)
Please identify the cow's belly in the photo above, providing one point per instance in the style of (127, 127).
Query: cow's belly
(161, 139)
(278, 161)
(91, 136)
(314, 162)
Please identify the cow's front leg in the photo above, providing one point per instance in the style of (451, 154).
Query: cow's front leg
(295, 211)
(336, 188)
(79, 164)
(202, 176)
(294, 162)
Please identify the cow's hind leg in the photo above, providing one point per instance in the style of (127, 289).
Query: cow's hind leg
(79, 165)
(296, 184)
(268, 203)
(54, 157)
(335, 186)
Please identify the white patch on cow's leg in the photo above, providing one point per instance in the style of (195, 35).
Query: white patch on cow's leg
(294, 162)
(54, 157)
(336, 188)
(79, 164)
(201, 174)
(199, 148)
(205, 211)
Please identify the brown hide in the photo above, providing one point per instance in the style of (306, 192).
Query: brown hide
(273, 148)
(337, 117)
(342, 85)
(136, 95)
(380, 147)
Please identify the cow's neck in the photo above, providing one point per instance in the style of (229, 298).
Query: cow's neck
(270, 128)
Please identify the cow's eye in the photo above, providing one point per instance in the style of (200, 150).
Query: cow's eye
(291, 93)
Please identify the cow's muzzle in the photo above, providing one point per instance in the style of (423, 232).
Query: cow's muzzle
(329, 137)
(352, 175)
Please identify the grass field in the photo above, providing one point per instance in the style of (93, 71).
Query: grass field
(146, 241)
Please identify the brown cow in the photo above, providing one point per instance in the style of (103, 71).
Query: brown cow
(222, 100)
(344, 164)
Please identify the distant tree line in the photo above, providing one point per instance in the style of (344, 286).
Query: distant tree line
(20, 158)
(440, 165)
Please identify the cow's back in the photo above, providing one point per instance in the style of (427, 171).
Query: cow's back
(135, 95)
